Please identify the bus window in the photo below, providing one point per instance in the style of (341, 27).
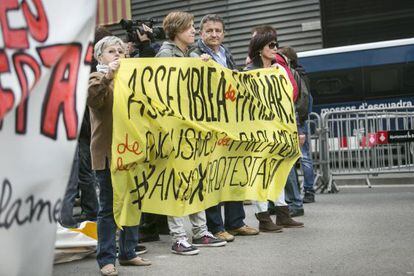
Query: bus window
(383, 81)
(390, 80)
(408, 78)
(336, 86)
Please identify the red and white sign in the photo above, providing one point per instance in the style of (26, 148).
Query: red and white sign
(44, 68)
(382, 137)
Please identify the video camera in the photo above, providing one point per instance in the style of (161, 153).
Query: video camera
(132, 25)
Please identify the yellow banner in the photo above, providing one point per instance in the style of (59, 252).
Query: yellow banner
(188, 134)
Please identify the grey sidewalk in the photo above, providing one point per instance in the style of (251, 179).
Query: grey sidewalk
(358, 231)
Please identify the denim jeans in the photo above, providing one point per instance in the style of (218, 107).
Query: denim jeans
(66, 213)
(307, 167)
(198, 222)
(87, 182)
(128, 238)
(233, 214)
(292, 191)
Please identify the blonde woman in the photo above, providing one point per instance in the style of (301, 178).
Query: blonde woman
(179, 27)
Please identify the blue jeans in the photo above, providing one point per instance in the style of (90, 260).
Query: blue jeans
(233, 214)
(307, 167)
(292, 191)
(128, 238)
(87, 182)
(66, 213)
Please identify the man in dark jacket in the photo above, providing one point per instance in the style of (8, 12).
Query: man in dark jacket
(212, 36)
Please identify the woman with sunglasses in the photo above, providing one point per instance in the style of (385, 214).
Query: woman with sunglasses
(266, 36)
(263, 54)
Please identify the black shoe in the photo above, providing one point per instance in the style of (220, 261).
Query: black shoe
(296, 212)
(148, 237)
(140, 249)
(309, 197)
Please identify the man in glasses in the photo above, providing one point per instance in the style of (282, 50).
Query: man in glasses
(210, 42)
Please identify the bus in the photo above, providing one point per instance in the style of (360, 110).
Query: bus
(371, 75)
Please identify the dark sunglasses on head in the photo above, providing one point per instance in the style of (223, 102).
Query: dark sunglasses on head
(272, 45)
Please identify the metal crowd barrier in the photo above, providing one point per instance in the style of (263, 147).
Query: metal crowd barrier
(315, 145)
(361, 142)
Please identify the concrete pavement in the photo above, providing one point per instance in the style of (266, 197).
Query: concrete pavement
(359, 231)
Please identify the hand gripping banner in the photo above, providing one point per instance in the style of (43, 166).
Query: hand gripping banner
(188, 134)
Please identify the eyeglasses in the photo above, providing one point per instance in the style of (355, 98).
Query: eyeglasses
(272, 45)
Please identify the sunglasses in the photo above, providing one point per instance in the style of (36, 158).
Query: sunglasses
(272, 45)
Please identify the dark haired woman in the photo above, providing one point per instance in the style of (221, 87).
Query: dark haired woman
(263, 54)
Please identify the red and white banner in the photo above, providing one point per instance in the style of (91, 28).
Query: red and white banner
(45, 52)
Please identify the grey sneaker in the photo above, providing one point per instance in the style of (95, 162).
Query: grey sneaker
(183, 247)
(208, 240)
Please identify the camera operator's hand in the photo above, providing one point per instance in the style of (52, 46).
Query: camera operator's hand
(144, 37)
(113, 67)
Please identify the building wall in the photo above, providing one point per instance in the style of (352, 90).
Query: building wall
(297, 21)
(354, 21)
